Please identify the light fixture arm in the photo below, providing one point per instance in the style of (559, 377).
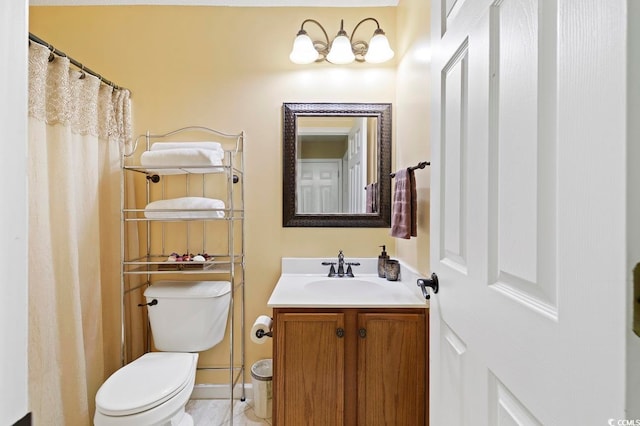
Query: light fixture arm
(321, 46)
(365, 20)
(360, 47)
(302, 31)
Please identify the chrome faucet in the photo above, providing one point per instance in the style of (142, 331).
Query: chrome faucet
(340, 264)
(341, 272)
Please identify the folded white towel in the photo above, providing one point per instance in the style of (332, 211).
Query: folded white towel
(185, 208)
(214, 146)
(186, 157)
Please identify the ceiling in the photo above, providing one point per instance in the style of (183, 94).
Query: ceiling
(238, 3)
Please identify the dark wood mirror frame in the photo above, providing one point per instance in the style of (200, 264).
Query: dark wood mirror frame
(291, 111)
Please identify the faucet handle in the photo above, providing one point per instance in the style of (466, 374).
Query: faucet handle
(332, 270)
(349, 270)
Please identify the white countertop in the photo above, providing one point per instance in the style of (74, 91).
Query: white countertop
(304, 284)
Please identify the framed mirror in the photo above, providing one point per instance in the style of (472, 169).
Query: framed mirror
(336, 165)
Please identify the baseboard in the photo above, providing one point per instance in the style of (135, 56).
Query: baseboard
(215, 391)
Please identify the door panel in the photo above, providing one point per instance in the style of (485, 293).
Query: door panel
(522, 185)
(452, 360)
(514, 336)
(505, 408)
(453, 159)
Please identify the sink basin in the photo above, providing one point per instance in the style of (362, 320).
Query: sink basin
(340, 289)
(343, 284)
(304, 283)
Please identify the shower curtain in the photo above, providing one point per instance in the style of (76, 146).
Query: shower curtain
(77, 129)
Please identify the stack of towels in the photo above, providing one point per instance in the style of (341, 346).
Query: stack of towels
(185, 208)
(181, 157)
(168, 158)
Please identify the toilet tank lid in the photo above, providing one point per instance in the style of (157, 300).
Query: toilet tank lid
(188, 289)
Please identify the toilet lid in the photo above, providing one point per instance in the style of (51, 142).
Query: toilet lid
(145, 383)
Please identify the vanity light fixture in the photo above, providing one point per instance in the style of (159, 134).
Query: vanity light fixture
(343, 49)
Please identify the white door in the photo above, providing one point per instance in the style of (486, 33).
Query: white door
(527, 212)
(357, 166)
(14, 314)
(318, 186)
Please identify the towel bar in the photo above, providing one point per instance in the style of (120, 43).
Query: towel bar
(420, 165)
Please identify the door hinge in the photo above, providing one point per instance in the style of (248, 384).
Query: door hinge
(636, 300)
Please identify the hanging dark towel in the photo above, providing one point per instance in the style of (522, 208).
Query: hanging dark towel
(372, 197)
(405, 206)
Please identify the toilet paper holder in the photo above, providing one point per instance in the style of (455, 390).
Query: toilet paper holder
(261, 329)
(260, 333)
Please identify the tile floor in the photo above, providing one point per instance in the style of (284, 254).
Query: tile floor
(215, 412)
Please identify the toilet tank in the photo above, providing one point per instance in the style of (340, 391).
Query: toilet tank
(189, 316)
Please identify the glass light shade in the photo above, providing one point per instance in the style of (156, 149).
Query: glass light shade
(379, 50)
(303, 51)
(341, 52)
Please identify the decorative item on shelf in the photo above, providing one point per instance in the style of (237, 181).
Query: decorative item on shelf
(392, 269)
(343, 49)
(179, 262)
(382, 262)
(189, 257)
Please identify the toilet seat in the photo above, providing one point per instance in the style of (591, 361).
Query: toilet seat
(145, 383)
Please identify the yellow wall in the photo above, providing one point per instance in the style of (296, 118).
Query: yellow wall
(228, 68)
(412, 119)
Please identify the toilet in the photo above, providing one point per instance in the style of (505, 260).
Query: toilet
(187, 317)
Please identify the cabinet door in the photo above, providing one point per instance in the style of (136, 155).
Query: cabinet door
(309, 369)
(391, 369)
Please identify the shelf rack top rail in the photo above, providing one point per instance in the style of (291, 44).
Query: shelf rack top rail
(239, 137)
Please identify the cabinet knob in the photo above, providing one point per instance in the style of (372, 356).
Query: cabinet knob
(363, 332)
(340, 332)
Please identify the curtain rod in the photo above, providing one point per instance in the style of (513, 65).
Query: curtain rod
(74, 62)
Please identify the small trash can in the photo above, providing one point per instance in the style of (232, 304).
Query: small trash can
(261, 378)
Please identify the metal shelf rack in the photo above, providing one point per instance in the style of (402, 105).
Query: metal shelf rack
(225, 233)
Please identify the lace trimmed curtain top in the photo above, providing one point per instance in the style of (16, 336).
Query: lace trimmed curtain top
(58, 95)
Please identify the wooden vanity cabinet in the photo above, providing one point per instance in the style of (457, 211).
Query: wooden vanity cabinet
(350, 367)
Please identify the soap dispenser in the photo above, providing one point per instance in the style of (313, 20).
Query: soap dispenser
(382, 261)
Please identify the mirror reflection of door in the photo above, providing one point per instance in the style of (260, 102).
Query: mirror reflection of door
(333, 164)
(319, 189)
(356, 160)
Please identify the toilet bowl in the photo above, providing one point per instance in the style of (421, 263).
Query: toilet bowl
(152, 390)
(186, 317)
